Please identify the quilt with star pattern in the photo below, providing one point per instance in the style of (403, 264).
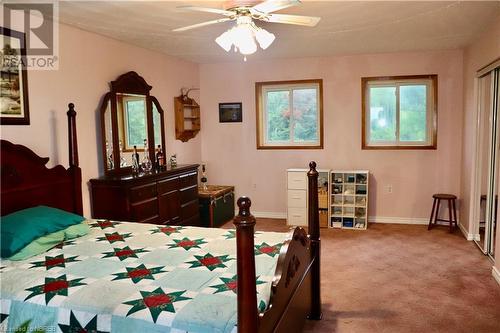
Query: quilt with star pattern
(131, 277)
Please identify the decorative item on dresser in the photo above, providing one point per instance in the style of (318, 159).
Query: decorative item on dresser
(161, 197)
(187, 117)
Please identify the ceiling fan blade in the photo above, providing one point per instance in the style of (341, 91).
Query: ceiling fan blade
(309, 21)
(194, 26)
(270, 6)
(208, 10)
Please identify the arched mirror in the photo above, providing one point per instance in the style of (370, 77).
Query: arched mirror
(130, 119)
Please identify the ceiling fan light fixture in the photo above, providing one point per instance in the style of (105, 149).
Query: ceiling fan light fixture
(264, 37)
(244, 39)
(244, 36)
(225, 40)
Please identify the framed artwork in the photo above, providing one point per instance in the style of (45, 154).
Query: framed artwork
(14, 108)
(230, 113)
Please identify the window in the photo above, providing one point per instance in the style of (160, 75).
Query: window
(399, 112)
(289, 114)
(135, 121)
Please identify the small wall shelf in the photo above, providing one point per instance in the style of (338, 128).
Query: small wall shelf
(187, 118)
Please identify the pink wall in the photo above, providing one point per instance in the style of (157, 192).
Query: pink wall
(88, 62)
(232, 157)
(485, 50)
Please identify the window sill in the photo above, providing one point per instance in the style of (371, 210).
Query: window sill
(427, 147)
(320, 146)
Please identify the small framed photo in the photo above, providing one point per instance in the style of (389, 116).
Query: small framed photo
(230, 113)
(14, 109)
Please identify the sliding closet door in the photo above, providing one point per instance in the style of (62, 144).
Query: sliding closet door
(492, 225)
(486, 152)
(488, 160)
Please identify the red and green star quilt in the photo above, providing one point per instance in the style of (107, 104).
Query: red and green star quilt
(131, 277)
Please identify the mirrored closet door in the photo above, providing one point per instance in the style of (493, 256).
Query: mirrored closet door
(487, 180)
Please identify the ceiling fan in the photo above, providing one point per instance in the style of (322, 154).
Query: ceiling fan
(244, 34)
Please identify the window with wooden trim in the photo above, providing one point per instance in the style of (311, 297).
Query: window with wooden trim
(289, 114)
(399, 112)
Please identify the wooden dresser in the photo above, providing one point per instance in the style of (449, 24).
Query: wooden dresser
(166, 197)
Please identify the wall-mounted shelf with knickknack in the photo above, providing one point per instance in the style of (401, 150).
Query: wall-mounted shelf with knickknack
(187, 118)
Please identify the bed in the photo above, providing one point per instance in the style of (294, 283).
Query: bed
(131, 277)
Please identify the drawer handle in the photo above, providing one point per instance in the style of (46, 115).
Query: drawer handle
(296, 215)
(188, 174)
(296, 198)
(297, 180)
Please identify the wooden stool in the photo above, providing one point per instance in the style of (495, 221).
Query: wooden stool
(451, 203)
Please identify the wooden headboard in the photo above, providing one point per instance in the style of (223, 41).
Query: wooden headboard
(27, 182)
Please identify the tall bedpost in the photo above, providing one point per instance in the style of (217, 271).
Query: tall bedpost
(313, 226)
(73, 160)
(247, 290)
(72, 142)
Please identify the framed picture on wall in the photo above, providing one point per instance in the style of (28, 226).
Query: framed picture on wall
(13, 79)
(230, 113)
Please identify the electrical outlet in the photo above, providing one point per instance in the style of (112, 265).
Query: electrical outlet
(389, 188)
(254, 186)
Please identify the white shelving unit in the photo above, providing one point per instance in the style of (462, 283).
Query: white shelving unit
(349, 199)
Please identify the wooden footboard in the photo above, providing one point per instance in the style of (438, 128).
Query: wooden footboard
(295, 293)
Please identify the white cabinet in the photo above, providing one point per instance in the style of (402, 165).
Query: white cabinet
(297, 179)
(297, 194)
(297, 197)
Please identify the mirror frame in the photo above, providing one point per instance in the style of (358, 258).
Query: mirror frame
(129, 83)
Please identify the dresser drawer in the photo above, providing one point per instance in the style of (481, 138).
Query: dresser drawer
(168, 185)
(192, 221)
(297, 216)
(188, 179)
(143, 192)
(189, 194)
(297, 180)
(190, 209)
(297, 198)
(145, 210)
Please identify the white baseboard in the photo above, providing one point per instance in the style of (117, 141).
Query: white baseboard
(269, 215)
(417, 221)
(397, 220)
(374, 219)
(467, 235)
(496, 274)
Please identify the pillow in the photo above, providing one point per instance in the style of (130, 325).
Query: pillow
(45, 243)
(22, 227)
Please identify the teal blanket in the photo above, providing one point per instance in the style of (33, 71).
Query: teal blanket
(131, 277)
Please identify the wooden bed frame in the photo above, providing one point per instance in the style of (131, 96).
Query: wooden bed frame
(27, 182)
(295, 294)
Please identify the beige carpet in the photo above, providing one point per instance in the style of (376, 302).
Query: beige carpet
(402, 278)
